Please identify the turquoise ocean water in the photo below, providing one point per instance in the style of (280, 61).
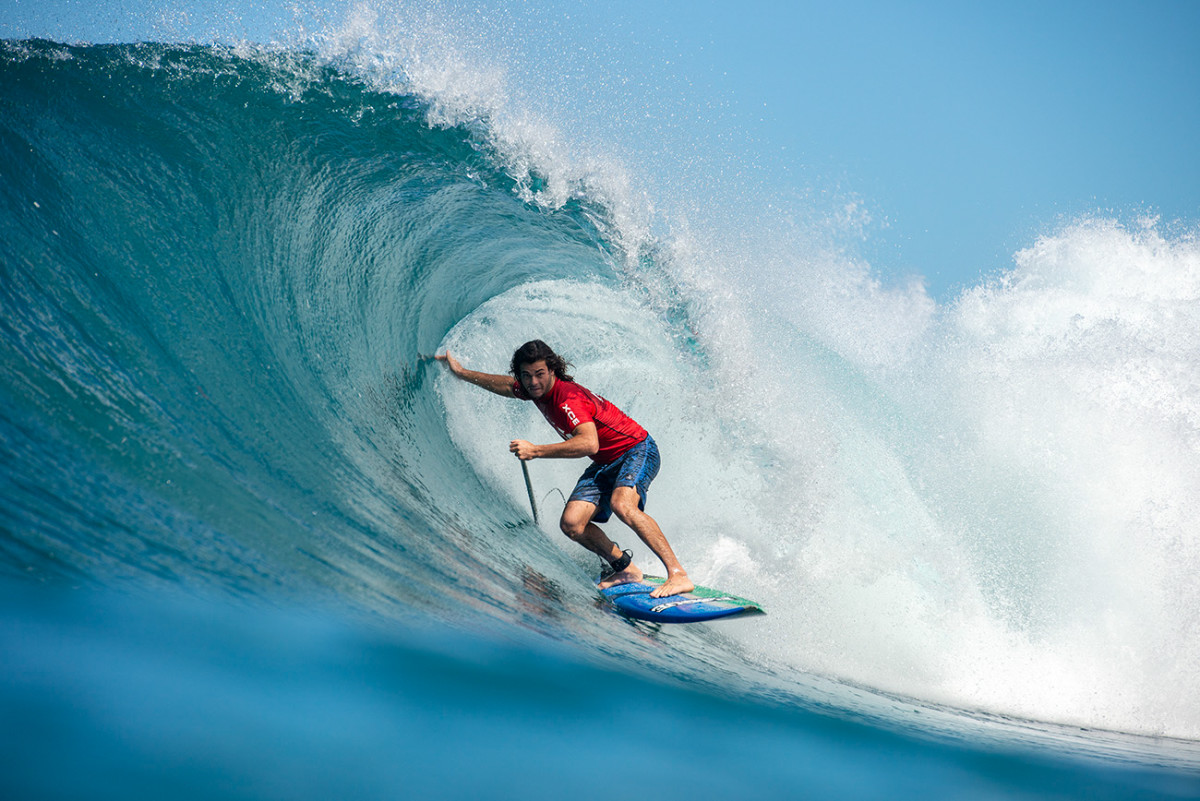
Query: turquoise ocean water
(253, 545)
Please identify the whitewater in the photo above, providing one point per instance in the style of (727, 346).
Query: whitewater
(256, 543)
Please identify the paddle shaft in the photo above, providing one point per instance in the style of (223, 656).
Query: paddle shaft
(529, 490)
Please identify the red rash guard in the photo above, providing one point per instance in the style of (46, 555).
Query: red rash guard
(568, 405)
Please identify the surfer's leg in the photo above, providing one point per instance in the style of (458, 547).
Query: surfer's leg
(636, 469)
(576, 523)
(626, 503)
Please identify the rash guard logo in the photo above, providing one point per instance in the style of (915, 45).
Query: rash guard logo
(571, 416)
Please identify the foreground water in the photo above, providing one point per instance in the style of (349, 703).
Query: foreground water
(146, 697)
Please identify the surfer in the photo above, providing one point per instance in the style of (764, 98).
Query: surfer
(624, 459)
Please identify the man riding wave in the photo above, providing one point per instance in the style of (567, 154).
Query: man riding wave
(624, 459)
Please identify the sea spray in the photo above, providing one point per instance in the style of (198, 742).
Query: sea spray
(998, 512)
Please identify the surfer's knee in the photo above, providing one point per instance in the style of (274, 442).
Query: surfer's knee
(572, 528)
(625, 505)
(575, 519)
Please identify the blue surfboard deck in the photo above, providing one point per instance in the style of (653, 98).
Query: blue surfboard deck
(702, 603)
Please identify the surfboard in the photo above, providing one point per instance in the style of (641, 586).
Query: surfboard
(703, 603)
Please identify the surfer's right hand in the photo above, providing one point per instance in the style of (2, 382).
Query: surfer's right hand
(450, 361)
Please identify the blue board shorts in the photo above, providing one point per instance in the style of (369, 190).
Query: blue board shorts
(636, 468)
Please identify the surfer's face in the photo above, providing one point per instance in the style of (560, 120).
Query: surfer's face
(536, 378)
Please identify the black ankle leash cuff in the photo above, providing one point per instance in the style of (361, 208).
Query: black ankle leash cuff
(622, 563)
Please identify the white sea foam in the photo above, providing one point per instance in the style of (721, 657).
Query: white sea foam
(1003, 515)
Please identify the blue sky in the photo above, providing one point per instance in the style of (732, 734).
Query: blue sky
(967, 129)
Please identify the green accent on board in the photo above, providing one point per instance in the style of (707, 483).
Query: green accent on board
(709, 592)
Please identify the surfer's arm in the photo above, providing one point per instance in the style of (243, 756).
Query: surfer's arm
(500, 384)
(583, 442)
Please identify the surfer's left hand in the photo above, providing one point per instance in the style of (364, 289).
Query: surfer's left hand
(523, 450)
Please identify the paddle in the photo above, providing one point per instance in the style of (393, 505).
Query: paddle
(529, 490)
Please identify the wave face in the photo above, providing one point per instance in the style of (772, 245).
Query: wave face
(221, 270)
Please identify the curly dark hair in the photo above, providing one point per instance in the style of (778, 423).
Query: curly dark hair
(536, 350)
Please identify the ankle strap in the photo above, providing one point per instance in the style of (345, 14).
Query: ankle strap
(622, 563)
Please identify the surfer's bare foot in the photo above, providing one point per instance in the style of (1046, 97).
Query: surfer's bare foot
(676, 584)
(626, 576)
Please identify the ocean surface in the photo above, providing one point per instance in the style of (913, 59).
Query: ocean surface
(255, 544)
